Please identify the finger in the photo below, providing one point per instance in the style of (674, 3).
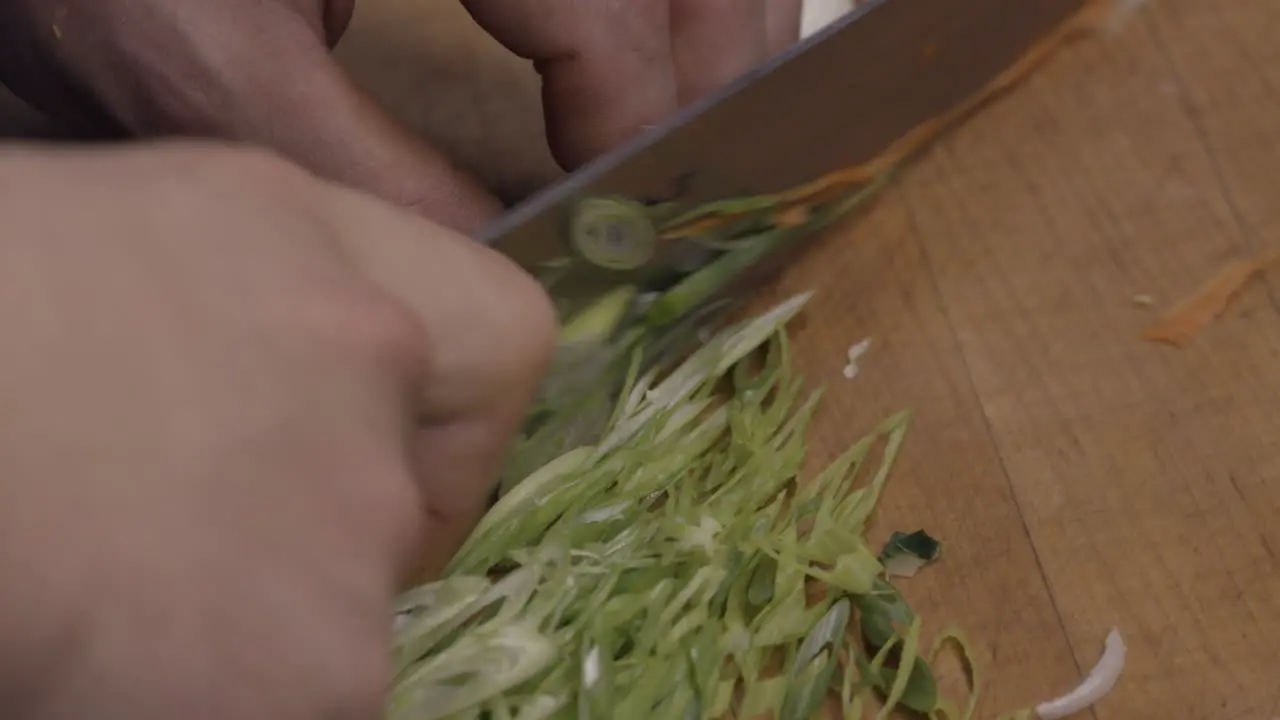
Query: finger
(606, 66)
(275, 85)
(715, 41)
(489, 330)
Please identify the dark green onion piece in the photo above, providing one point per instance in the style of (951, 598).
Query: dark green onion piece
(906, 553)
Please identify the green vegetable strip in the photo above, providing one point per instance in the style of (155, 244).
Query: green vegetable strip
(702, 284)
(600, 320)
(901, 679)
(667, 570)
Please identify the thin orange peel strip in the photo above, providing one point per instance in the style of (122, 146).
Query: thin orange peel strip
(1192, 314)
(796, 203)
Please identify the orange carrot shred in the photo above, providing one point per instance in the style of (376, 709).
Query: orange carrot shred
(1191, 315)
(796, 204)
(793, 216)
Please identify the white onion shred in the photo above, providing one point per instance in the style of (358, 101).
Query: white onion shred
(818, 14)
(856, 351)
(591, 667)
(1096, 685)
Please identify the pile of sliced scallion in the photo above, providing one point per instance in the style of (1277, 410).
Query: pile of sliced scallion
(679, 568)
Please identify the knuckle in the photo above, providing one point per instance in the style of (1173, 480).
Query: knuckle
(388, 332)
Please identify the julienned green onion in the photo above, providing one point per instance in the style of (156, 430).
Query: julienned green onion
(601, 319)
(744, 253)
(679, 567)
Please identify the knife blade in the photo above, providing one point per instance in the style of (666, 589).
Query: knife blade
(645, 245)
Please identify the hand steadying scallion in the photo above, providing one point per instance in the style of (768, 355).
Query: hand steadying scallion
(678, 568)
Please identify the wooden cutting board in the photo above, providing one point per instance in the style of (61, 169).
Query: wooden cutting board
(1082, 478)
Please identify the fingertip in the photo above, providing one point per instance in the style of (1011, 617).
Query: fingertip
(593, 106)
(514, 309)
(539, 323)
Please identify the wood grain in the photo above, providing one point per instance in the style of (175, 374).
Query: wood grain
(873, 281)
(1140, 481)
(1227, 68)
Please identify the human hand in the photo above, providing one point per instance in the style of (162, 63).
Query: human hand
(610, 68)
(242, 409)
(259, 71)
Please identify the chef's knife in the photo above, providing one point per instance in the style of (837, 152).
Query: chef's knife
(643, 245)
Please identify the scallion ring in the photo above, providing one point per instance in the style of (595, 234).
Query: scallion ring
(613, 233)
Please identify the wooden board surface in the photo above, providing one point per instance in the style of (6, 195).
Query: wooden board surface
(1082, 478)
